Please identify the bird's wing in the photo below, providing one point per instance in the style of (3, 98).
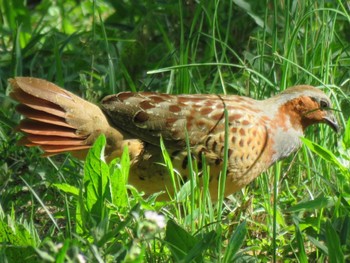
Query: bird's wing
(149, 116)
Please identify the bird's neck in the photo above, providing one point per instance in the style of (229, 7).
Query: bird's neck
(285, 143)
(288, 128)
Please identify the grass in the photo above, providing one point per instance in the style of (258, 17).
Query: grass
(297, 211)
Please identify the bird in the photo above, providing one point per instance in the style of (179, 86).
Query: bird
(259, 132)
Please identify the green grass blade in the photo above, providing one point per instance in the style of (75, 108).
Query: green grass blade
(235, 243)
(333, 243)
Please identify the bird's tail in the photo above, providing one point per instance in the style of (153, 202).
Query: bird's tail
(59, 121)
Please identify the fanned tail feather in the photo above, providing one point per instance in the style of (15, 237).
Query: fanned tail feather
(56, 120)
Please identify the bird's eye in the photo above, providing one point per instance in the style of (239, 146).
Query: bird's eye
(324, 104)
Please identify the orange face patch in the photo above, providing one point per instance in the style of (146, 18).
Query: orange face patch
(303, 112)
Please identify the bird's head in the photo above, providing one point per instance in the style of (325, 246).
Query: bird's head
(307, 105)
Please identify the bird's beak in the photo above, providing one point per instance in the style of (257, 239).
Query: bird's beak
(331, 120)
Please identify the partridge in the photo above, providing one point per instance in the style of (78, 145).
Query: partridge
(259, 132)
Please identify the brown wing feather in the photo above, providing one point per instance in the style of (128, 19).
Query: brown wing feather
(151, 115)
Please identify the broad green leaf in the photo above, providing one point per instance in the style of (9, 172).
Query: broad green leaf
(317, 203)
(320, 245)
(179, 241)
(203, 243)
(235, 243)
(96, 175)
(67, 188)
(184, 192)
(335, 252)
(324, 153)
(119, 173)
